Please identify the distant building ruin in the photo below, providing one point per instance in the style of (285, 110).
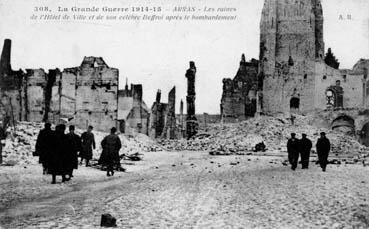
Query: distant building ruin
(291, 75)
(163, 123)
(83, 95)
(133, 114)
(295, 76)
(170, 127)
(239, 94)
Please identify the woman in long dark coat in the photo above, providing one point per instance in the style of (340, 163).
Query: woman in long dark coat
(57, 157)
(110, 155)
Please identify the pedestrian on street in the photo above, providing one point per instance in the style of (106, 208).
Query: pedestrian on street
(2, 137)
(44, 146)
(57, 161)
(305, 148)
(323, 146)
(293, 151)
(292, 119)
(88, 144)
(110, 155)
(72, 154)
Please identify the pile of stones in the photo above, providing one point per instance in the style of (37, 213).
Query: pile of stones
(241, 138)
(21, 140)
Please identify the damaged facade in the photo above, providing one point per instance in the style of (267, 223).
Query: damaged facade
(239, 94)
(292, 68)
(293, 76)
(163, 123)
(296, 78)
(133, 114)
(84, 95)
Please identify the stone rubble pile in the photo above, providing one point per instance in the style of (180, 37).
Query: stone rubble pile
(130, 144)
(20, 144)
(21, 140)
(241, 138)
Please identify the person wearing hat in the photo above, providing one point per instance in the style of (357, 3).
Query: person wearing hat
(57, 157)
(323, 146)
(2, 137)
(72, 153)
(44, 146)
(293, 151)
(111, 145)
(88, 144)
(305, 147)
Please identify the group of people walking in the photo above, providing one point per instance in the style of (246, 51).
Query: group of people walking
(297, 147)
(58, 152)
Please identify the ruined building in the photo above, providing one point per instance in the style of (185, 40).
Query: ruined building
(292, 74)
(181, 121)
(133, 114)
(170, 127)
(191, 121)
(163, 122)
(83, 95)
(296, 76)
(239, 94)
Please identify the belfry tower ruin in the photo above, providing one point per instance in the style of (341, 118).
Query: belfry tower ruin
(291, 40)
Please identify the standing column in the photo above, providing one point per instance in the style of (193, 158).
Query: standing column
(191, 121)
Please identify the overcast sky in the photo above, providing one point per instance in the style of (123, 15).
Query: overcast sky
(157, 54)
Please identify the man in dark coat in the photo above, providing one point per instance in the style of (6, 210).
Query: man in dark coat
(44, 145)
(323, 146)
(72, 154)
(57, 159)
(293, 151)
(88, 143)
(305, 147)
(2, 137)
(110, 155)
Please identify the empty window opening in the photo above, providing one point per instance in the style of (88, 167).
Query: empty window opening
(295, 103)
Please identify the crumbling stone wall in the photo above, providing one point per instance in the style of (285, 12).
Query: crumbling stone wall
(133, 115)
(353, 83)
(35, 93)
(96, 99)
(158, 117)
(290, 41)
(291, 61)
(11, 88)
(84, 95)
(239, 95)
(170, 130)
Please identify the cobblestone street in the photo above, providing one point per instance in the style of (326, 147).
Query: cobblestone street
(194, 190)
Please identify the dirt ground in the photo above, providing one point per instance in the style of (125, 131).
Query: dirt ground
(189, 190)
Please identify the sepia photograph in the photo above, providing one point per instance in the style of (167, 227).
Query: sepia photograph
(184, 114)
